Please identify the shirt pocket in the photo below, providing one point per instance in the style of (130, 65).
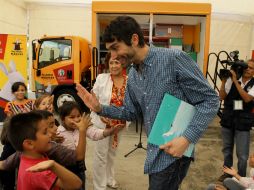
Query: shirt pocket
(167, 85)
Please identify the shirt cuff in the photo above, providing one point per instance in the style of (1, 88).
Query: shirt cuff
(103, 110)
(191, 135)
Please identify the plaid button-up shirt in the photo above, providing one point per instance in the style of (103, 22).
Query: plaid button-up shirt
(166, 71)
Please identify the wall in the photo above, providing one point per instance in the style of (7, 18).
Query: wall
(231, 33)
(11, 23)
(59, 20)
(252, 35)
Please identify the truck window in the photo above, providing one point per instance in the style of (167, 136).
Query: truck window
(53, 51)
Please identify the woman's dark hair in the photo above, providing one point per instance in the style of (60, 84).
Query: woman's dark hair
(16, 85)
(122, 29)
(67, 108)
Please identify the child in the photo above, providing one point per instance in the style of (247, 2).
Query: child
(20, 104)
(28, 132)
(237, 182)
(52, 128)
(70, 114)
(44, 102)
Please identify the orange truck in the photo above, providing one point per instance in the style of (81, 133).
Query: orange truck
(59, 63)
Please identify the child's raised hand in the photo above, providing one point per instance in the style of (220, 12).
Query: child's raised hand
(105, 120)
(112, 130)
(42, 166)
(84, 123)
(230, 171)
(58, 138)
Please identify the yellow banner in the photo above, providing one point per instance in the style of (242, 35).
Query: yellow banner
(13, 62)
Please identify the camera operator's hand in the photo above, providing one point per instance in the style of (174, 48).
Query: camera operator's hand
(233, 76)
(222, 91)
(224, 80)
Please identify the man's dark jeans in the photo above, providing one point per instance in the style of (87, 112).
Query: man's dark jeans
(171, 177)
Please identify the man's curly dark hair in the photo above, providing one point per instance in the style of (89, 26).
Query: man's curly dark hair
(122, 29)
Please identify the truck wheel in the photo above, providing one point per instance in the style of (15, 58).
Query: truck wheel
(65, 95)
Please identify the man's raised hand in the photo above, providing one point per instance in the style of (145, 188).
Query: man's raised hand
(89, 99)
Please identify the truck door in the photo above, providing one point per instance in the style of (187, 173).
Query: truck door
(55, 64)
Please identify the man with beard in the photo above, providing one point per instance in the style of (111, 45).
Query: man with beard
(156, 71)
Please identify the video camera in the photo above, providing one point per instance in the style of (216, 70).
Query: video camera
(236, 65)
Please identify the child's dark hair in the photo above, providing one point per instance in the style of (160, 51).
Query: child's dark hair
(67, 108)
(44, 113)
(15, 86)
(122, 29)
(21, 127)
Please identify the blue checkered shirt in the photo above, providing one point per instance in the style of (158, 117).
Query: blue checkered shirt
(165, 71)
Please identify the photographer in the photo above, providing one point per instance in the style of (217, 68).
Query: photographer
(237, 117)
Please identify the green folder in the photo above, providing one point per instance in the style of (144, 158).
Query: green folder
(171, 121)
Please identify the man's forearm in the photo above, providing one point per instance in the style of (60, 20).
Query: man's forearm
(115, 112)
(206, 111)
(245, 96)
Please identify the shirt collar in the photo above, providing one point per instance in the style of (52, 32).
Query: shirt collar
(241, 80)
(61, 128)
(149, 56)
(147, 61)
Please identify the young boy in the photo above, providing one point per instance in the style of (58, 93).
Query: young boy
(64, 156)
(29, 134)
